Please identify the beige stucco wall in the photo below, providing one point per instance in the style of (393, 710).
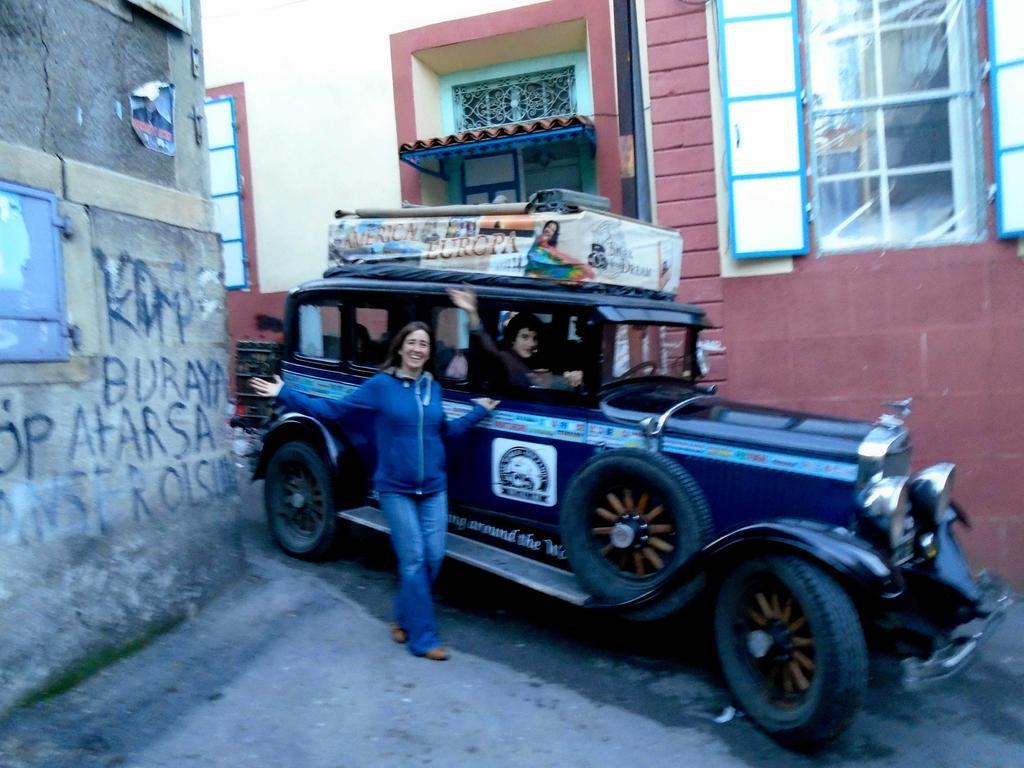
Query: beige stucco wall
(321, 118)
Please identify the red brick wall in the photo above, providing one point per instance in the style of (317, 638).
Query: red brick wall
(684, 159)
(844, 333)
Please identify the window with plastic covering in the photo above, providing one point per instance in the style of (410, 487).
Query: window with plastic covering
(894, 120)
(319, 332)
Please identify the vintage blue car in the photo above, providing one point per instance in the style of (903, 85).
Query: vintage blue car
(611, 478)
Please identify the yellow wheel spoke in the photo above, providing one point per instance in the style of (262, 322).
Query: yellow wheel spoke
(803, 661)
(611, 518)
(762, 603)
(798, 675)
(787, 610)
(660, 544)
(638, 561)
(654, 513)
(797, 624)
(656, 561)
(628, 500)
(615, 504)
(604, 530)
(642, 504)
(802, 642)
(605, 550)
(776, 608)
(756, 617)
(663, 528)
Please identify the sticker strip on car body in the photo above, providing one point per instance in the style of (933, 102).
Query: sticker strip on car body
(607, 435)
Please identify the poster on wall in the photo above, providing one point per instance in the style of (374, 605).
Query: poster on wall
(583, 247)
(152, 107)
(524, 471)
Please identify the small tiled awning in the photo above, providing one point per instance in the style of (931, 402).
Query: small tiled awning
(487, 140)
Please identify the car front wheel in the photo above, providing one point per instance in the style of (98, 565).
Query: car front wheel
(792, 649)
(630, 519)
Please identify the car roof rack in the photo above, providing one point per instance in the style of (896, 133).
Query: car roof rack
(544, 201)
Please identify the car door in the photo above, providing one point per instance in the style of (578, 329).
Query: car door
(508, 475)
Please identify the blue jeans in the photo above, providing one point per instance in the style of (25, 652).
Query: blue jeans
(418, 527)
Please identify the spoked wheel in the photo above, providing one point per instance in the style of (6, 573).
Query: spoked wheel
(629, 520)
(779, 642)
(633, 532)
(792, 649)
(300, 505)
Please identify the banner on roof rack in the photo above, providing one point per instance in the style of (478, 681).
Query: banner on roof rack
(584, 247)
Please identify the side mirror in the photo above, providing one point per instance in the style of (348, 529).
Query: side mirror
(703, 348)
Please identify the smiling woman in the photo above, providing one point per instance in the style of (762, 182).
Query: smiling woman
(411, 429)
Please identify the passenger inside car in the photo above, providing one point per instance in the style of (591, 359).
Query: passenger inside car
(519, 350)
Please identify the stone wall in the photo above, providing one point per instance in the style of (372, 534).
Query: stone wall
(118, 496)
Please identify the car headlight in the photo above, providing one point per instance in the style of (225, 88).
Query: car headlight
(886, 501)
(931, 490)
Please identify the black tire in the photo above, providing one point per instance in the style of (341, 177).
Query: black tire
(629, 520)
(300, 503)
(810, 677)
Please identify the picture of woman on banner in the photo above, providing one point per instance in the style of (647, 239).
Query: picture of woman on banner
(545, 260)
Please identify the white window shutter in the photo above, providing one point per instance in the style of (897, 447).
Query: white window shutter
(765, 168)
(1006, 44)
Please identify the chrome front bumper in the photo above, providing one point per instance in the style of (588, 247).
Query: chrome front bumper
(965, 640)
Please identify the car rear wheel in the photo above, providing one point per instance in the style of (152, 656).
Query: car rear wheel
(300, 503)
(792, 649)
(630, 520)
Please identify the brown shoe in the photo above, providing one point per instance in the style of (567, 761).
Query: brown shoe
(437, 654)
(398, 634)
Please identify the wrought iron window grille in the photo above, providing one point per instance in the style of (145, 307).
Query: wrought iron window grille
(515, 99)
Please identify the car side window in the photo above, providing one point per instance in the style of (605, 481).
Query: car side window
(451, 344)
(320, 331)
(537, 350)
(371, 336)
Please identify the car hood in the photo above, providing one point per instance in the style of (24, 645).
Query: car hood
(715, 419)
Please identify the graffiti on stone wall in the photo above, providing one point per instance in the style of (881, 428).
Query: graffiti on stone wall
(142, 442)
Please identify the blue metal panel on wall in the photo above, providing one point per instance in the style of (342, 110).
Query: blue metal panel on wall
(226, 190)
(1006, 52)
(32, 319)
(762, 106)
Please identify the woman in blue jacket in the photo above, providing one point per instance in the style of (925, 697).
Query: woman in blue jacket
(410, 429)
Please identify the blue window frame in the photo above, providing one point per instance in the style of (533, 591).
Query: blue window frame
(765, 168)
(1005, 18)
(33, 325)
(226, 190)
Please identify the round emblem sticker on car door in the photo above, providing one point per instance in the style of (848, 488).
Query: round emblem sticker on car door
(524, 471)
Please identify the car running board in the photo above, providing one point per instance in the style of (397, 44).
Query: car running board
(522, 570)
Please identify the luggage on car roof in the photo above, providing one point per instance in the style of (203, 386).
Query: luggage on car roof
(559, 238)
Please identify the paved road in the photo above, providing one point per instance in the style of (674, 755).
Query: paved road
(292, 666)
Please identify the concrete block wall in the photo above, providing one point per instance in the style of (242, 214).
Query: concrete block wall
(118, 494)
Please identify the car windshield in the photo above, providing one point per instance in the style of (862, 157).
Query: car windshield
(636, 350)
